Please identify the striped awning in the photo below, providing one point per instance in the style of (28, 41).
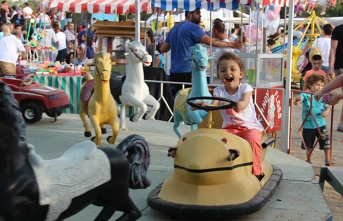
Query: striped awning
(98, 6)
(264, 2)
(161, 6)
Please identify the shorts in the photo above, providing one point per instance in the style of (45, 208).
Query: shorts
(310, 136)
(7, 68)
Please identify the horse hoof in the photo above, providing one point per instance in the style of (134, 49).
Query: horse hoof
(131, 118)
(93, 138)
(88, 134)
(108, 139)
(103, 131)
(144, 116)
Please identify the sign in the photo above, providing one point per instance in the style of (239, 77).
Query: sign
(269, 109)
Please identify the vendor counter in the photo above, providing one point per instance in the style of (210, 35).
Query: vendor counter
(69, 82)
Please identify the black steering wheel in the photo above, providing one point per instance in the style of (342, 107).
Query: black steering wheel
(210, 108)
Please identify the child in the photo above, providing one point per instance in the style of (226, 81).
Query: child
(320, 110)
(159, 62)
(240, 120)
(311, 6)
(70, 56)
(331, 4)
(316, 68)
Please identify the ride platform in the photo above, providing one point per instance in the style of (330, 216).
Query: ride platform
(298, 196)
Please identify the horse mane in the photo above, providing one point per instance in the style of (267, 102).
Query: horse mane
(98, 55)
(137, 152)
(12, 124)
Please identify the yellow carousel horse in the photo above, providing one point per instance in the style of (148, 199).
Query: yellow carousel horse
(97, 101)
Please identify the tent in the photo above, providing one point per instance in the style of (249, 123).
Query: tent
(98, 6)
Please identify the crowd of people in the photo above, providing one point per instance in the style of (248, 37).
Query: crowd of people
(64, 44)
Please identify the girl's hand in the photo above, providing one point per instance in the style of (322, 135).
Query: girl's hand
(297, 100)
(201, 103)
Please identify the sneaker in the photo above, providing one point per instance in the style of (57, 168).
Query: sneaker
(340, 127)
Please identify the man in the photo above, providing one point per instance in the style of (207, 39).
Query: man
(10, 46)
(324, 45)
(85, 26)
(18, 29)
(61, 42)
(27, 14)
(180, 38)
(69, 17)
(4, 12)
(69, 32)
(336, 61)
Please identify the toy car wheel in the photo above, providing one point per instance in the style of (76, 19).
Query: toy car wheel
(52, 113)
(31, 113)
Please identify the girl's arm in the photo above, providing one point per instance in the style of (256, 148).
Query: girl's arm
(81, 54)
(326, 112)
(244, 102)
(214, 103)
(157, 61)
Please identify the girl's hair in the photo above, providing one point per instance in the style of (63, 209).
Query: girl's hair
(231, 56)
(151, 36)
(314, 78)
(72, 41)
(89, 41)
(6, 29)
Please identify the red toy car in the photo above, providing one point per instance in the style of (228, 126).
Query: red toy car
(35, 98)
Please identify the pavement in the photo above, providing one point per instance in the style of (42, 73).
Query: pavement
(298, 196)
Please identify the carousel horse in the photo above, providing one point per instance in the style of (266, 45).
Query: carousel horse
(134, 91)
(182, 111)
(34, 189)
(97, 102)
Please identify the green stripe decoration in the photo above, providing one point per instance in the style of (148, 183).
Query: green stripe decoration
(71, 85)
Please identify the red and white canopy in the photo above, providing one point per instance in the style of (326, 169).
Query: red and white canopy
(98, 6)
(266, 2)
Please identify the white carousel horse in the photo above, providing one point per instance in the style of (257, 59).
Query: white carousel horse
(135, 91)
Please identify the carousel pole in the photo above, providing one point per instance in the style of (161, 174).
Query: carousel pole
(138, 18)
(211, 49)
(287, 97)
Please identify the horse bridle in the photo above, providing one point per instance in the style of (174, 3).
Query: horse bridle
(141, 59)
(97, 70)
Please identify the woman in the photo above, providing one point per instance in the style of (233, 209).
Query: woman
(14, 15)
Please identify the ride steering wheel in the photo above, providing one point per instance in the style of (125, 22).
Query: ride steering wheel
(27, 80)
(211, 108)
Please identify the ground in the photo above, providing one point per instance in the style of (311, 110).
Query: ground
(334, 199)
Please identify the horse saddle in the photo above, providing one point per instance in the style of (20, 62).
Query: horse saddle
(86, 93)
(116, 83)
(81, 168)
(180, 103)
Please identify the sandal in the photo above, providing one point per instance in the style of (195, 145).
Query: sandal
(328, 164)
(172, 152)
(260, 177)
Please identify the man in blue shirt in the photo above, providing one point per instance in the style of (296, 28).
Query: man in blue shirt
(183, 36)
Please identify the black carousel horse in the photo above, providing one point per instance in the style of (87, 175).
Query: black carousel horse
(20, 191)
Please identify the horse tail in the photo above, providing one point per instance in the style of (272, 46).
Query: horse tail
(137, 152)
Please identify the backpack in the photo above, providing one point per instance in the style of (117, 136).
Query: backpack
(90, 52)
